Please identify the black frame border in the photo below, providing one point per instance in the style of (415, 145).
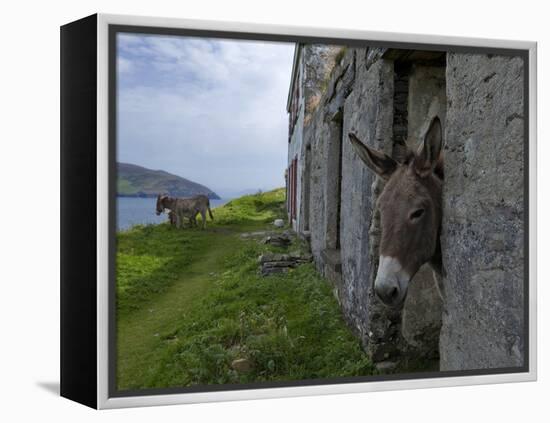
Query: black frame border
(114, 29)
(78, 235)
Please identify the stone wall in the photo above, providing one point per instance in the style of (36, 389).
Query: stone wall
(359, 98)
(316, 61)
(315, 136)
(319, 61)
(483, 232)
(368, 112)
(295, 146)
(384, 96)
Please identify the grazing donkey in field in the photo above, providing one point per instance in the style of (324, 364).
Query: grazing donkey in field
(185, 208)
(410, 213)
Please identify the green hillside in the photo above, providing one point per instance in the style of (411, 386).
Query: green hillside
(137, 181)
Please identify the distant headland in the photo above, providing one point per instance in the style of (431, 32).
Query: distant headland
(138, 181)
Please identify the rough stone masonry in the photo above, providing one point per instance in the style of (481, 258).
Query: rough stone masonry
(386, 95)
(483, 229)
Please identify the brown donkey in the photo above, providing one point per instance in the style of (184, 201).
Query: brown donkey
(410, 213)
(184, 208)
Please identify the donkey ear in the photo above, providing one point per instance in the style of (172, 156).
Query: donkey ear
(428, 156)
(380, 163)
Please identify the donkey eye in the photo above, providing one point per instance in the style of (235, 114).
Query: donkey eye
(416, 214)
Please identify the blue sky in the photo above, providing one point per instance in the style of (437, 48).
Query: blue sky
(210, 110)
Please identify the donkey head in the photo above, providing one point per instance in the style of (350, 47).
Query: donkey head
(410, 212)
(161, 204)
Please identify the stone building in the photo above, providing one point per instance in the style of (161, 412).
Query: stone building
(386, 96)
(310, 70)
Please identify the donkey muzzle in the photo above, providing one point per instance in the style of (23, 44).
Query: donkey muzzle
(390, 292)
(391, 282)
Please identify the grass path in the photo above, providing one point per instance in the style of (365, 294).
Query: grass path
(139, 331)
(191, 302)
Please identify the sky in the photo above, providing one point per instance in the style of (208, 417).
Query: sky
(209, 110)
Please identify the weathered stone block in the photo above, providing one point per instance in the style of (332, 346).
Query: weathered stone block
(368, 113)
(421, 321)
(483, 229)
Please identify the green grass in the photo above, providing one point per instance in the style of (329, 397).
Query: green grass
(252, 209)
(125, 187)
(150, 259)
(189, 302)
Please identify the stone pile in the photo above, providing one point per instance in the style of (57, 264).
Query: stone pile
(257, 234)
(279, 223)
(283, 239)
(271, 263)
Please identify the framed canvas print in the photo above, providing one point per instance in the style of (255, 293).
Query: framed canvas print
(254, 211)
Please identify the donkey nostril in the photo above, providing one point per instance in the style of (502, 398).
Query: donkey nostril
(388, 294)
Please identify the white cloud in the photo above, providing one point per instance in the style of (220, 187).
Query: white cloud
(209, 110)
